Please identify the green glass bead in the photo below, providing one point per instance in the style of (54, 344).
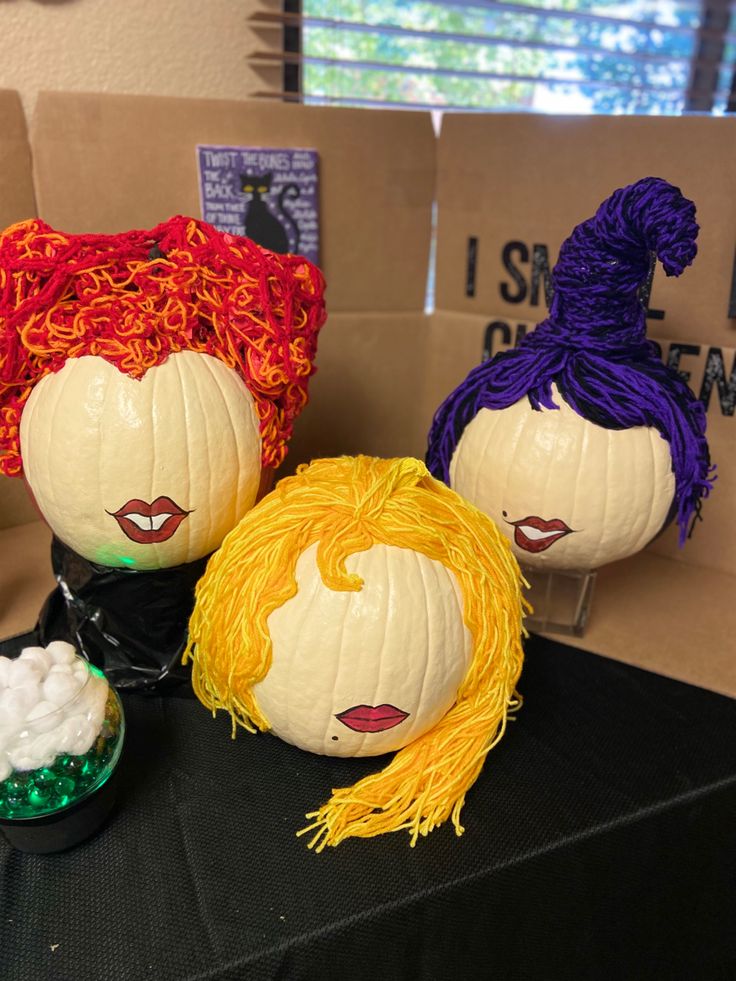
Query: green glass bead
(18, 783)
(39, 796)
(44, 777)
(72, 765)
(63, 787)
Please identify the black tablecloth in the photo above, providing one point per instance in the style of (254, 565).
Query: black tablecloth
(599, 844)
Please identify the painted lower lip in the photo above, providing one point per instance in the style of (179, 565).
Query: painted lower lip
(372, 718)
(536, 545)
(162, 505)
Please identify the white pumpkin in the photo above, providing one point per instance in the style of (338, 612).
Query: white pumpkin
(147, 473)
(567, 492)
(364, 673)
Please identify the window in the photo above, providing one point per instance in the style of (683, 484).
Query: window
(639, 56)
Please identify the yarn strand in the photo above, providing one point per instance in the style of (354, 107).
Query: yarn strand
(347, 505)
(593, 344)
(136, 297)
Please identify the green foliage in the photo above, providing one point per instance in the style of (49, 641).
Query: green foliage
(430, 70)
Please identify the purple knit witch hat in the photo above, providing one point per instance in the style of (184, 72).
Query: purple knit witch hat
(593, 344)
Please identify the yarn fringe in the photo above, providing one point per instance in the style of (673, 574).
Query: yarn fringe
(137, 297)
(424, 785)
(347, 505)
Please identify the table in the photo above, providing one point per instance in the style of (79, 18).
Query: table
(599, 844)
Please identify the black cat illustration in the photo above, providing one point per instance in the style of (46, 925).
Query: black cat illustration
(260, 223)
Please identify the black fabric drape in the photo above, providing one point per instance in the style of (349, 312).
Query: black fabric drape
(599, 844)
(132, 625)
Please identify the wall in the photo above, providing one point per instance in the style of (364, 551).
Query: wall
(153, 47)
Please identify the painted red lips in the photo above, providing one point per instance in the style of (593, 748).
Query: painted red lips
(372, 718)
(149, 524)
(534, 534)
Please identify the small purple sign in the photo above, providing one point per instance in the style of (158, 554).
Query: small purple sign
(267, 194)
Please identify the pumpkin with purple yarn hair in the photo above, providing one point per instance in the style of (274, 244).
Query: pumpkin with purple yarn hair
(580, 443)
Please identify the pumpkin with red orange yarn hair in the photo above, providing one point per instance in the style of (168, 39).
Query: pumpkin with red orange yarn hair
(145, 379)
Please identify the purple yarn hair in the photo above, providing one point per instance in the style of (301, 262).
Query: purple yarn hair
(593, 344)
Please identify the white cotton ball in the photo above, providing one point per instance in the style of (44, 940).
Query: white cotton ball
(31, 653)
(4, 671)
(16, 703)
(63, 714)
(43, 749)
(66, 734)
(12, 710)
(60, 688)
(37, 656)
(43, 716)
(23, 673)
(61, 652)
(96, 700)
(7, 734)
(5, 767)
(21, 757)
(13, 716)
(84, 739)
(89, 698)
(29, 694)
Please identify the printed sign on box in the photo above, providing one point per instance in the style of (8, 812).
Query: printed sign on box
(266, 193)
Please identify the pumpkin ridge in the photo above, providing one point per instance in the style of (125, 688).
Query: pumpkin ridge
(428, 638)
(427, 780)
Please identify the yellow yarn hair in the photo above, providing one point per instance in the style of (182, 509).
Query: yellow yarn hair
(347, 505)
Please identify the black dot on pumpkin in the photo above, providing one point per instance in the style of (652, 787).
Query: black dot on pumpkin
(334, 739)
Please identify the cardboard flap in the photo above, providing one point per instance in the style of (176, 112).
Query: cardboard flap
(107, 163)
(26, 578)
(17, 201)
(16, 182)
(666, 617)
(16, 506)
(366, 394)
(518, 184)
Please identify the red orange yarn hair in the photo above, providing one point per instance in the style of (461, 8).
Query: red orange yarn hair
(135, 298)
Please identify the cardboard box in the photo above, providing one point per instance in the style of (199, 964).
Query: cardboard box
(16, 201)
(110, 163)
(516, 185)
(114, 162)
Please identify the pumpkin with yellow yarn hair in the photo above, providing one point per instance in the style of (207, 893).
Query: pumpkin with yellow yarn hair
(361, 608)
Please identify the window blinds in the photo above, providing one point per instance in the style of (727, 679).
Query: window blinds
(643, 56)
